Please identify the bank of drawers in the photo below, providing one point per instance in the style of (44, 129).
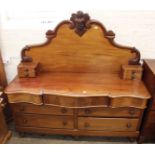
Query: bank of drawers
(100, 118)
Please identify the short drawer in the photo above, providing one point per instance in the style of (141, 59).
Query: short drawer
(75, 102)
(25, 97)
(110, 112)
(128, 102)
(107, 124)
(40, 109)
(44, 121)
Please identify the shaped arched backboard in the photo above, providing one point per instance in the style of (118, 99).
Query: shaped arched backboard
(80, 45)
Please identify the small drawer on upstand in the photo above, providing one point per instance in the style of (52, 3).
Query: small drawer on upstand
(28, 69)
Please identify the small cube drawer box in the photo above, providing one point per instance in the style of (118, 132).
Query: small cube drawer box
(131, 72)
(28, 69)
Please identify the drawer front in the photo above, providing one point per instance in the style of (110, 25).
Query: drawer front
(40, 109)
(44, 121)
(128, 102)
(110, 112)
(107, 124)
(76, 101)
(26, 72)
(24, 97)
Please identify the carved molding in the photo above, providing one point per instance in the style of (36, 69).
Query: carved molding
(23, 55)
(80, 22)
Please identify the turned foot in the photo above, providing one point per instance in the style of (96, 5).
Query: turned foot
(76, 137)
(131, 139)
(140, 140)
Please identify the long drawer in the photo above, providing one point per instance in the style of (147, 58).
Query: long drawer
(44, 121)
(75, 102)
(107, 124)
(40, 109)
(110, 112)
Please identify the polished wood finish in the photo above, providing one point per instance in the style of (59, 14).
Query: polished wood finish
(35, 109)
(96, 46)
(91, 111)
(46, 121)
(78, 90)
(110, 112)
(107, 124)
(148, 128)
(77, 84)
(25, 97)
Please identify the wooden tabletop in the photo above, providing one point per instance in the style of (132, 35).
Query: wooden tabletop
(79, 84)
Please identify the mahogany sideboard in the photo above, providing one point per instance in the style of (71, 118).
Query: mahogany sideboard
(76, 83)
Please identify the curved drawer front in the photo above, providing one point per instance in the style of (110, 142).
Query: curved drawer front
(76, 102)
(24, 97)
(44, 121)
(128, 102)
(107, 124)
(43, 109)
(110, 112)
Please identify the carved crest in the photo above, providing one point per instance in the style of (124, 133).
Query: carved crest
(80, 20)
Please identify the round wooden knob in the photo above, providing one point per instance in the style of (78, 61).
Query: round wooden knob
(25, 121)
(64, 123)
(26, 70)
(64, 110)
(22, 108)
(26, 74)
(128, 125)
(87, 125)
(87, 111)
(133, 76)
(132, 111)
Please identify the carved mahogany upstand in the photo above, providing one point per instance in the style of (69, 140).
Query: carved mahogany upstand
(79, 82)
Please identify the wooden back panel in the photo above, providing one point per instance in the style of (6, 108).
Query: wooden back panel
(70, 48)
